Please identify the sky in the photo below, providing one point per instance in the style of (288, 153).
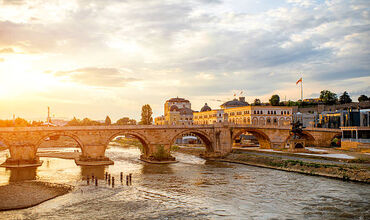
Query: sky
(96, 58)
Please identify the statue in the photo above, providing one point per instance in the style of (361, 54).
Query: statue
(297, 130)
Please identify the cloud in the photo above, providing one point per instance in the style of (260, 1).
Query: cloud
(95, 76)
(196, 47)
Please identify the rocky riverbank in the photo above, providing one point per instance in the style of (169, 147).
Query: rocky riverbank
(26, 194)
(340, 171)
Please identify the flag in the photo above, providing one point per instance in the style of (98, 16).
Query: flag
(299, 81)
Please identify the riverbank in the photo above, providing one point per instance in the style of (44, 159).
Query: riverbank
(26, 194)
(348, 171)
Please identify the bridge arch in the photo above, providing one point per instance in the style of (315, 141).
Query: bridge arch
(201, 134)
(53, 134)
(262, 138)
(143, 140)
(310, 140)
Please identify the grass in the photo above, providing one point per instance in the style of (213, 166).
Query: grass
(175, 147)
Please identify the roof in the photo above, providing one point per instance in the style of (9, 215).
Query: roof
(177, 99)
(185, 111)
(205, 108)
(234, 103)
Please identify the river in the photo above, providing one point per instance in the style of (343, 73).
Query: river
(191, 189)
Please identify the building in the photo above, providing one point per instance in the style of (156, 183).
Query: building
(177, 111)
(240, 112)
(357, 137)
(344, 118)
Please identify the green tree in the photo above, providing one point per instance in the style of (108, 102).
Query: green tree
(108, 121)
(345, 98)
(363, 98)
(146, 115)
(257, 102)
(328, 97)
(274, 100)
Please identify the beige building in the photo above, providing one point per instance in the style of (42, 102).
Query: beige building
(177, 111)
(239, 112)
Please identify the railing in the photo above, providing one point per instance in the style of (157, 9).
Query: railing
(356, 140)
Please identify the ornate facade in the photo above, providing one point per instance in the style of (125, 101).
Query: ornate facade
(177, 111)
(239, 112)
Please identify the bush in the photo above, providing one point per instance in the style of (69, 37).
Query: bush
(161, 153)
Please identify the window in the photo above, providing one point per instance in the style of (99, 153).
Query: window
(268, 112)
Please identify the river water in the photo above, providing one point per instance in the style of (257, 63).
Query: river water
(190, 189)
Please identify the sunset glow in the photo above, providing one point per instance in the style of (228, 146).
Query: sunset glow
(73, 55)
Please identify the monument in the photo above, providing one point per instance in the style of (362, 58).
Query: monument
(297, 143)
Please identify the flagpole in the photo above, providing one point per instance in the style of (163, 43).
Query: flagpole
(302, 89)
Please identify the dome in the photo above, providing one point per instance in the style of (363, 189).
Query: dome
(205, 108)
(234, 103)
(177, 99)
(174, 108)
(186, 111)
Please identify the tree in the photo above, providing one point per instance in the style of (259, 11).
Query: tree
(328, 97)
(146, 115)
(363, 98)
(343, 99)
(126, 121)
(84, 122)
(274, 100)
(74, 122)
(257, 102)
(108, 121)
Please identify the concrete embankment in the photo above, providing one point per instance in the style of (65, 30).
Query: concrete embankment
(26, 194)
(351, 172)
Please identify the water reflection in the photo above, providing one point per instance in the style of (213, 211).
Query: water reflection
(96, 171)
(22, 174)
(148, 168)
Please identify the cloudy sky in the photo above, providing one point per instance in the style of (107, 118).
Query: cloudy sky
(96, 58)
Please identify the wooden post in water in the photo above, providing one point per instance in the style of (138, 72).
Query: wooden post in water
(126, 180)
(121, 177)
(96, 181)
(92, 177)
(112, 181)
(88, 180)
(109, 179)
(106, 176)
(130, 178)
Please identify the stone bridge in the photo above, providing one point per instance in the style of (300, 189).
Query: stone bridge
(157, 140)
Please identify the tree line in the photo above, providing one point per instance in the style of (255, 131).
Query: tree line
(146, 119)
(19, 122)
(326, 97)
